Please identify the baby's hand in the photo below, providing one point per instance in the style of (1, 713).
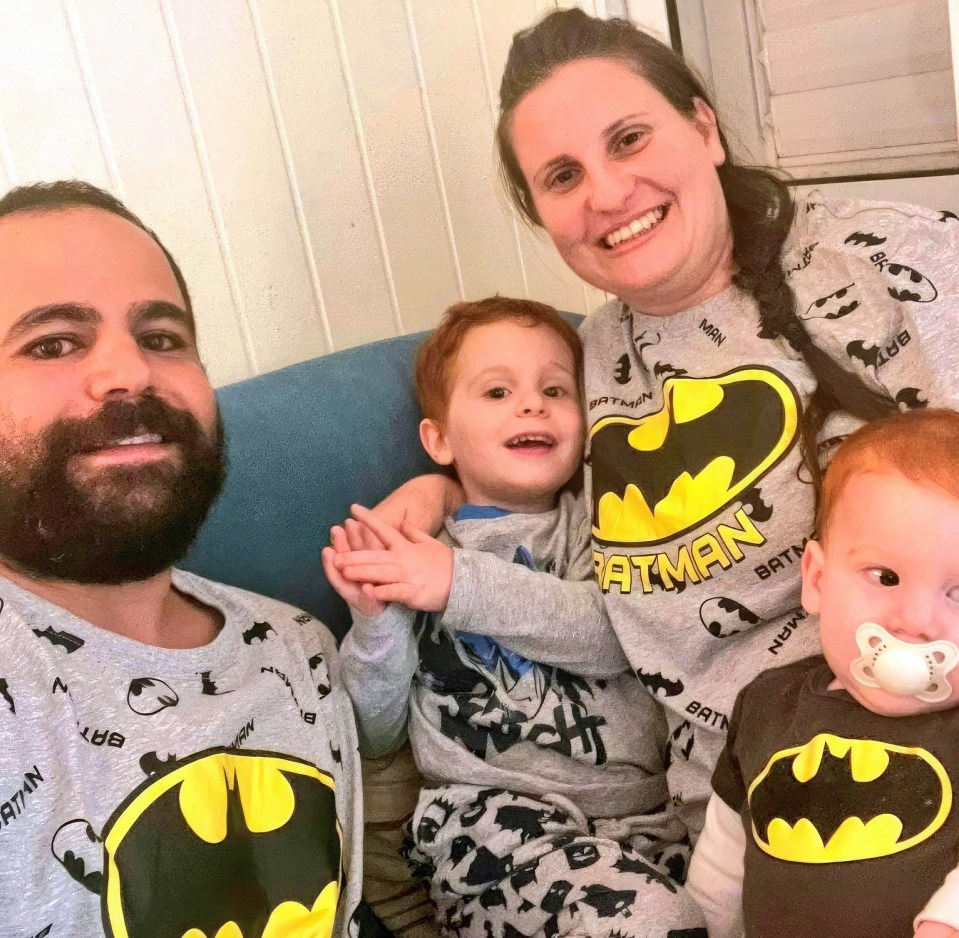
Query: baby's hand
(935, 930)
(412, 568)
(359, 596)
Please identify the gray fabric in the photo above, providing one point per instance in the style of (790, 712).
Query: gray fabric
(878, 287)
(482, 714)
(89, 718)
(500, 863)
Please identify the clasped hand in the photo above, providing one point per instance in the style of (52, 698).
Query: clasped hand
(371, 564)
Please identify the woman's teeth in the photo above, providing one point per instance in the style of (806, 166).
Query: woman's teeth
(635, 227)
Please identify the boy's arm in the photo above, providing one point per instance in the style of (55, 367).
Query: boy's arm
(378, 660)
(378, 657)
(715, 878)
(553, 621)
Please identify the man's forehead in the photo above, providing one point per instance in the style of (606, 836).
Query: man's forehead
(82, 255)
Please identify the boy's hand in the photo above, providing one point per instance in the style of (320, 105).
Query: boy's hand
(412, 568)
(359, 596)
(935, 930)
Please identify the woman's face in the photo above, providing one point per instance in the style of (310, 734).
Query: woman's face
(626, 186)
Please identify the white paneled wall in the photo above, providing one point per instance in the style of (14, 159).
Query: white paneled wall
(322, 169)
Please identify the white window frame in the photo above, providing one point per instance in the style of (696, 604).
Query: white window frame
(720, 40)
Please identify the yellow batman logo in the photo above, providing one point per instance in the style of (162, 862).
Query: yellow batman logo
(835, 800)
(225, 845)
(657, 476)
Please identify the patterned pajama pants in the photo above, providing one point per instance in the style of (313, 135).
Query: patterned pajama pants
(504, 865)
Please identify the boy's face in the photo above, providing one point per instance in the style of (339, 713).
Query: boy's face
(514, 426)
(890, 557)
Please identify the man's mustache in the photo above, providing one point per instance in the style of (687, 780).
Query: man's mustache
(118, 420)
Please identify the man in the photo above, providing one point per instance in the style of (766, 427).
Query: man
(175, 755)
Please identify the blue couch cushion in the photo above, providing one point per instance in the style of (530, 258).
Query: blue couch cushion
(304, 443)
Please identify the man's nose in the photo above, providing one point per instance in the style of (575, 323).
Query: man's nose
(117, 368)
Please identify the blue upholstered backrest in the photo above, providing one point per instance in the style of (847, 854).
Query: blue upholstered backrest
(304, 443)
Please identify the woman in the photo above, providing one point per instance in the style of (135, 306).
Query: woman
(743, 330)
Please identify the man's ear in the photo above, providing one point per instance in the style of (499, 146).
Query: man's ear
(813, 565)
(434, 442)
(708, 127)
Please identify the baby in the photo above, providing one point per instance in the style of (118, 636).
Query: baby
(833, 809)
(543, 813)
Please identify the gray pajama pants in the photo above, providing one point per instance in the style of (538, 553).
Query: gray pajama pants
(505, 865)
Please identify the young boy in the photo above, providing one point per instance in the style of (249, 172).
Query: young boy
(833, 809)
(542, 757)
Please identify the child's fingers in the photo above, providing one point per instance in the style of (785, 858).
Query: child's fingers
(361, 537)
(337, 580)
(388, 535)
(351, 558)
(392, 593)
(376, 574)
(338, 539)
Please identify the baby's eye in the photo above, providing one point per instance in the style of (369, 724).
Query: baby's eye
(952, 594)
(554, 391)
(497, 393)
(883, 576)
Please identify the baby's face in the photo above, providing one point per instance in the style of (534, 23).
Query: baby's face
(514, 428)
(890, 557)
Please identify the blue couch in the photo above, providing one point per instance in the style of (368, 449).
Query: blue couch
(303, 444)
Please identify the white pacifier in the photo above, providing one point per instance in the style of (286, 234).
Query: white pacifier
(903, 668)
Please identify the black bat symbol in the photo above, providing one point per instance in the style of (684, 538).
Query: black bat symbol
(5, 692)
(69, 642)
(259, 631)
(864, 238)
(664, 368)
(152, 764)
(909, 789)
(210, 687)
(760, 511)
(655, 683)
(945, 215)
(44, 932)
(622, 370)
(910, 397)
(609, 902)
(337, 755)
(858, 349)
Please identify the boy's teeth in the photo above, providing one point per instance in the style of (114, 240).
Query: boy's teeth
(635, 227)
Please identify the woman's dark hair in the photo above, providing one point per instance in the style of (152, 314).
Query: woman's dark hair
(760, 206)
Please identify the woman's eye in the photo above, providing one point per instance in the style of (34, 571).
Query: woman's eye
(497, 393)
(563, 179)
(52, 347)
(883, 576)
(630, 140)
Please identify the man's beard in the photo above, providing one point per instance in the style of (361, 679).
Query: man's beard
(111, 524)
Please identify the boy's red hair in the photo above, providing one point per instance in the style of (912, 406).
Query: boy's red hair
(436, 357)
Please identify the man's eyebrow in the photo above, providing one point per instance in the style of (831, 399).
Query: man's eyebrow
(53, 312)
(152, 310)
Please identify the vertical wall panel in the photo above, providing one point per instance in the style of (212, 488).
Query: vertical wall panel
(49, 127)
(146, 122)
(463, 120)
(224, 70)
(388, 92)
(323, 140)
